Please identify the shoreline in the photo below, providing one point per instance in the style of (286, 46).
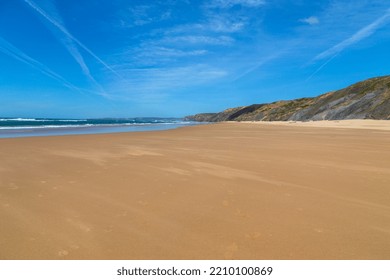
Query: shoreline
(6, 133)
(84, 130)
(218, 191)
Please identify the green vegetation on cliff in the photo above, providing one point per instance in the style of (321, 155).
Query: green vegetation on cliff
(369, 99)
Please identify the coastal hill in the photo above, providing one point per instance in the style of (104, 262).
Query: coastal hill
(369, 99)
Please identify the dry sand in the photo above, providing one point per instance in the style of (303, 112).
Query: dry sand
(221, 191)
(362, 124)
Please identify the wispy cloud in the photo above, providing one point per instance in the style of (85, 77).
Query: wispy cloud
(10, 50)
(213, 23)
(160, 53)
(225, 24)
(188, 54)
(231, 3)
(156, 51)
(140, 15)
(152, 55)
(159, 81)
(144, 14)
(56, 22)
(199, 40)
(310, 20)
(355, 38)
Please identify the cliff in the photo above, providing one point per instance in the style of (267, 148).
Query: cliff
(369, 99)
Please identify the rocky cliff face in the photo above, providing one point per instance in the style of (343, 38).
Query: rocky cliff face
(369, 99)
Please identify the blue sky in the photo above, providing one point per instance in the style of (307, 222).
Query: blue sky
(120, 58)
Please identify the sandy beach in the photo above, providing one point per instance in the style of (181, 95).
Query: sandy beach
(218, 191)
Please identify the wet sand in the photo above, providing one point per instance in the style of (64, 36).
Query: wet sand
(219, 191)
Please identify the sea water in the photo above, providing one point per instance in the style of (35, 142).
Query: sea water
(26, 127)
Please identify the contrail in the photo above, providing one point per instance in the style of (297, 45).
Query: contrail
(358, 36)
(73, 50)
(8, 49)
(322, 66)
(60, 27)
(257, 65)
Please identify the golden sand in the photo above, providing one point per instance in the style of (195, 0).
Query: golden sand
(220, 191)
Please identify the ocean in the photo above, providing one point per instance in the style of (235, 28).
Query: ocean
(27, 127)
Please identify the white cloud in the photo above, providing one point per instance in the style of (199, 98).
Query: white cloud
(214, 22)
(199, 40)
(231, 3)
(162, 52)
(189, 54)
(156, 81)
(148, 55)
(310, 20)
(140, 15)
(170, 52)
(217, 23)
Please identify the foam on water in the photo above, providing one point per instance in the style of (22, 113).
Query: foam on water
(26, 127)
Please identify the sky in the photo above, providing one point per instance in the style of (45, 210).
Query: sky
(122, 58)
